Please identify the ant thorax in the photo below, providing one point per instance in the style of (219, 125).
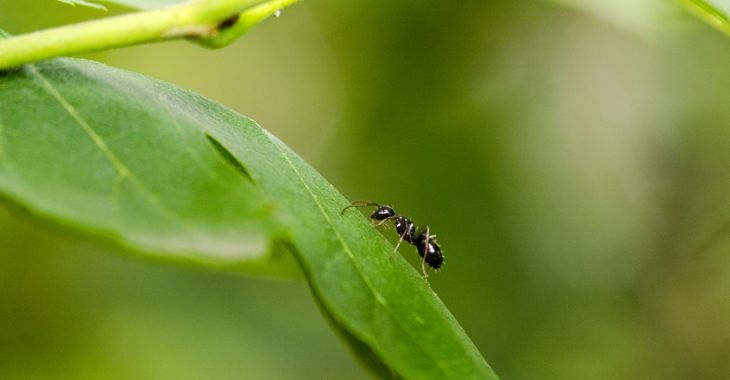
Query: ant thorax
(405, 228)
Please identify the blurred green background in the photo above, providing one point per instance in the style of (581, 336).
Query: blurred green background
(574, 160)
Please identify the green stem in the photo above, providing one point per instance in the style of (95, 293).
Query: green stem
(211, 22)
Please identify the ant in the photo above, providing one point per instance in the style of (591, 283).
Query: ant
(425, 243)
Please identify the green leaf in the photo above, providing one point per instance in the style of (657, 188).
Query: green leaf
(714, 12)
(91, 155)
(83, 4)
(162, 169)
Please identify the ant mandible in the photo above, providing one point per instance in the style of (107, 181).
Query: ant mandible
(425, 243)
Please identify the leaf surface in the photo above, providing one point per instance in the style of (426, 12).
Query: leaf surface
(171, 173)
(124, 165)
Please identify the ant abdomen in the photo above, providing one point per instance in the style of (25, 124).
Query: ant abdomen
(434, 258)
(429, 250)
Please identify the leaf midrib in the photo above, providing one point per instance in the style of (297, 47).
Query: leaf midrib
(378, 297)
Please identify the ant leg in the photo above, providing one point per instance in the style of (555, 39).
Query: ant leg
(359, 204)
(383, 221)
(423, 259)
(400, 240)
(380, 223)
(401, 237)
(425, 274)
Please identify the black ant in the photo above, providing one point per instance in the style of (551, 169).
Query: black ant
(425, 243)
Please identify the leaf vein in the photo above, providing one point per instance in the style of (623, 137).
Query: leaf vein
(379, 297)
(122, 170)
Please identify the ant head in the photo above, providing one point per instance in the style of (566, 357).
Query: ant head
(382, 212)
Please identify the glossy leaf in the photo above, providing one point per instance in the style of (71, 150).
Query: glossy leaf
(164, 170)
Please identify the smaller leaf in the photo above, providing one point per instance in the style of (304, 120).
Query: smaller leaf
(83, 4)
(143, 4)
(212, 23)
(714, 12)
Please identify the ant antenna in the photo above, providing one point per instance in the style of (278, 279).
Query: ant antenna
(359, 204)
